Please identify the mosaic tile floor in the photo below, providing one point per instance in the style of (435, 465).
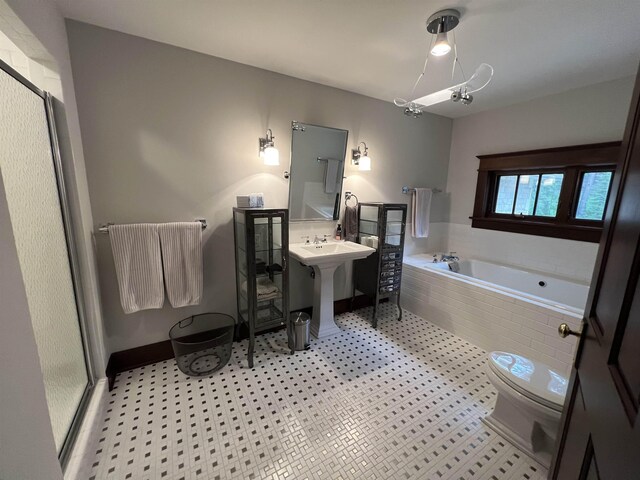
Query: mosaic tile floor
(404, 401)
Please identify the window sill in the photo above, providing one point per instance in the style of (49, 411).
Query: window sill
(583, 233)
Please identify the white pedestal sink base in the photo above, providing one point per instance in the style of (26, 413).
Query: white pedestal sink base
(325, 257)
(323, 323)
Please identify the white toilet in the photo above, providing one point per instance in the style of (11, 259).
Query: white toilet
(529, 404)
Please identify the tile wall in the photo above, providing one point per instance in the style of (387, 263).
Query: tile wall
(566, 258)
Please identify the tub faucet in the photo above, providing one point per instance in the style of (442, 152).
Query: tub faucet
(452, 257)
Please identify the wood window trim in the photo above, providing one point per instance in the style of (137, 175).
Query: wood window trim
(573, 161)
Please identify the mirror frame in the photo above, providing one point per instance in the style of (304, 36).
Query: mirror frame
(336, 209)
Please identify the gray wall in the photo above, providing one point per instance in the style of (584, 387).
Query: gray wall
(27, 449)
(170, 134)
(597, 113)
(593, 114)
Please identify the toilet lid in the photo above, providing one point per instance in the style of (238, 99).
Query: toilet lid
(531, 378)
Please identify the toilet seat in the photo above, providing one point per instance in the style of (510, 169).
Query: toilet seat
(533, 379)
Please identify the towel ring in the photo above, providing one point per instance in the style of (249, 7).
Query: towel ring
(348, 196)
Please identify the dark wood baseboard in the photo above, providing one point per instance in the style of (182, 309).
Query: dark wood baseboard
(126, 360)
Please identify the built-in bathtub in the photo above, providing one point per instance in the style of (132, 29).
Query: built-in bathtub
(497, 307)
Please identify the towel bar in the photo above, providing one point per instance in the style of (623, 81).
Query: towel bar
(408, 190)
(105, 228)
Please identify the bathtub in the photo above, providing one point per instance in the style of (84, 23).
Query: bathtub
(497, 307)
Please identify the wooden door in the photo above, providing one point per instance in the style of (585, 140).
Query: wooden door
(600, 435)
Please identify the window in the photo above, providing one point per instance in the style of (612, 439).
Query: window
(560, 192)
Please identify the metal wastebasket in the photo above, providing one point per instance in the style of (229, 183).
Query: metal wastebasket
(202, 343)
(301, 322)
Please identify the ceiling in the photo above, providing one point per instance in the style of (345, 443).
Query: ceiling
(377, 47)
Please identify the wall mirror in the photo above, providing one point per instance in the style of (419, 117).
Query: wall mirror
(316, 172)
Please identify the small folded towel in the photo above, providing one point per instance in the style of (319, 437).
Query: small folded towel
(181, 244)
(331, 175)
(265, 289)
(421, 210)
(136, 255)
(350, 223)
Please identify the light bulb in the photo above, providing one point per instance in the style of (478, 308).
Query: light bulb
(364, 163)
(441, 47)
(271, 156)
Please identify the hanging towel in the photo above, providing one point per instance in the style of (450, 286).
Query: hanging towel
(331, 175)
(421, 210)
(350, 223)
(181, 244)
(136, 254)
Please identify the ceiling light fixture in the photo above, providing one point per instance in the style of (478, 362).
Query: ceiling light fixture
(360, 158)
(268, 152)
(439, 24)
(442, 46)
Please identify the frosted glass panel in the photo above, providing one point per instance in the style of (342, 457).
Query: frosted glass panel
(28, 175)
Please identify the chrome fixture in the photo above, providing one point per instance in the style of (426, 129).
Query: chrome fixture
(439, 24)
(297, 127)
(105, 228)
(450, 257)
(407, 190)
(461, 95)
(348, 196)
(413, 110)
(267, 150)
(318, 240)
(361, 158)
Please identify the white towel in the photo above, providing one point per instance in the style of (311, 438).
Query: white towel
(421, 210)
(181, 244)
(136, 254)
(331, 175)
(265, 289)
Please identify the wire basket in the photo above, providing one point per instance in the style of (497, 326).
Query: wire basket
(202, 343)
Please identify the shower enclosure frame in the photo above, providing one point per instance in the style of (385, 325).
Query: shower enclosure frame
(68, 226)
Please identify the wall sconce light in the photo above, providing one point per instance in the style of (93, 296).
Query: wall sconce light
(361, 158)
(268, 152)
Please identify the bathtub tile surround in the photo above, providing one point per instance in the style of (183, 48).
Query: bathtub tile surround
(490, 318)
(404, 401)
(566, 258)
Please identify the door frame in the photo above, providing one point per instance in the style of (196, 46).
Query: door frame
(72, 253)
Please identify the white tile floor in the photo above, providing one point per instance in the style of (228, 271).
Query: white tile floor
(404, 401)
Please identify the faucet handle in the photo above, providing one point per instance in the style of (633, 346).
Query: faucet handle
(302, 237)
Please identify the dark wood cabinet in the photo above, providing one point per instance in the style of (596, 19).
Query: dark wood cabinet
(381, 226)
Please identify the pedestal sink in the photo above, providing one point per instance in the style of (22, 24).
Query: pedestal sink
(325, 258)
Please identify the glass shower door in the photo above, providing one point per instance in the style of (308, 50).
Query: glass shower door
(30, 180)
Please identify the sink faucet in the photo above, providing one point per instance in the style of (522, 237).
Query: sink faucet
(451, 257)
(317, 240)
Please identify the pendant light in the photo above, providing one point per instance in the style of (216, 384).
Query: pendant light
(439, 24)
